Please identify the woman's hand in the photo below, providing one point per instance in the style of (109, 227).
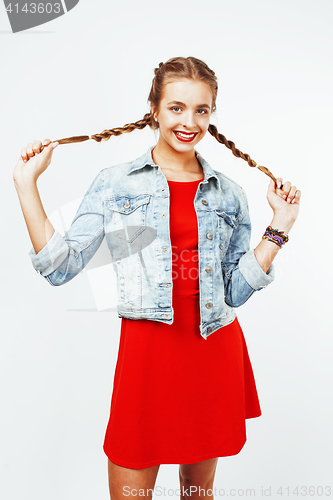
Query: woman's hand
(34, 160)
(284, 200)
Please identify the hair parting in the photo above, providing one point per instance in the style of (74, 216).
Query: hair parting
(175, 68)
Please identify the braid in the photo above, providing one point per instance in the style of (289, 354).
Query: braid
(230, 145)
(106, 134)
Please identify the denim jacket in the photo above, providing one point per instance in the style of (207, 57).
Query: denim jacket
(129, 205)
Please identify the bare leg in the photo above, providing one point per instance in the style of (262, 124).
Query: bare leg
(123, 480)
(200, 474)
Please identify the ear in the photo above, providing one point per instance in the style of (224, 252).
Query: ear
(154, 112)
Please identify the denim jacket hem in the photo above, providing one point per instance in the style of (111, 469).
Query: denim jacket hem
(151, 313)
(167, 317)
(209, 328)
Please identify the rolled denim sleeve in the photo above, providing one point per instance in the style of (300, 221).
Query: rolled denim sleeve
(241, 271)
(63, 257)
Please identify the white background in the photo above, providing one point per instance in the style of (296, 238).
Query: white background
(90, 70)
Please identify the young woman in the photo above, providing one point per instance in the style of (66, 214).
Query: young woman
(179, 238)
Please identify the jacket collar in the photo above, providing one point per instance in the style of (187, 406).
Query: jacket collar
(147, 159)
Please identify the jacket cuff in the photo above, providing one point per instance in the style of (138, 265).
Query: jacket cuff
(49, 258)
(254, 275)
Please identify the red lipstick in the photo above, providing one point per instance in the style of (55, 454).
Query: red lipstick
(190, 136)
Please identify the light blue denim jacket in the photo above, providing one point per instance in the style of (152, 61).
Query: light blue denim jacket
(129, 205)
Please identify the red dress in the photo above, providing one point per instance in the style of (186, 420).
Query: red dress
(178, 398)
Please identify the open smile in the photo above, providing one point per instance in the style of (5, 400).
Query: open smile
(185, 136)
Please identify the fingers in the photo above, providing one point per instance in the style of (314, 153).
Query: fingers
(36, 147)
(30, 150)
(297, 198)
(24, 154)
(291, 194)
(287, 191)
(46, 143)
(285, 188)
(279, 182)
(33, 149)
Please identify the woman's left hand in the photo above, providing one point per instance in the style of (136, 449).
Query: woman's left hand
(284, 199)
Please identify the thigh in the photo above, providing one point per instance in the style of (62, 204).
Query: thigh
(123, 480)
(198, 474)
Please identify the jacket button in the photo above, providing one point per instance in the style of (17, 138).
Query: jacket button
(208, 269)
(127, 205)
(209, 236)
(209, 305)
(204, 202)
(209, 329)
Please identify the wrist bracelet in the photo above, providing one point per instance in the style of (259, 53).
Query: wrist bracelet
(275, 236)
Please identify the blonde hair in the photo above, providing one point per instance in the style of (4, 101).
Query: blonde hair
(175, 68)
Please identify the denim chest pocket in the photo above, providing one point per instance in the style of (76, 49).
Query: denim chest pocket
(227, 221)
(128, 212)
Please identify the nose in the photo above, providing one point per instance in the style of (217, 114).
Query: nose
(188, 120)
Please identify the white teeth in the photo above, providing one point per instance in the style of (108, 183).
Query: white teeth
(185, 135)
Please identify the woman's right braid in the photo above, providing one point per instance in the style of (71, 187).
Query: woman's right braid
(106, 134)
(230, 145)
(129, 127)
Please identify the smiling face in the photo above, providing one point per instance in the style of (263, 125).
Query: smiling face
(184, 114)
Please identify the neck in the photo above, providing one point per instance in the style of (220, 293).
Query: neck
(167, 157)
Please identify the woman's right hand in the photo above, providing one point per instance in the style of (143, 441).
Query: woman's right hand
(35, 158)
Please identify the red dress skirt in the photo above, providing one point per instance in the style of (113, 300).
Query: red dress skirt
(178, 398)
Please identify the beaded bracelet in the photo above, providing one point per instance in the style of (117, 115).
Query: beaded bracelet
(275, 236)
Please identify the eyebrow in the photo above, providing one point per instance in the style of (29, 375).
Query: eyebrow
(182, 104)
